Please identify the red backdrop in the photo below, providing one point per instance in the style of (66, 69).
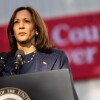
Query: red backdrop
(79, 37)
(4, 45)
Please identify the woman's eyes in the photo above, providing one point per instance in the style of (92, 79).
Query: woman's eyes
(25, 21)
(15, 22)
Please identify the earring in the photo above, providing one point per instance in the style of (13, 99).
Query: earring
(36, 33)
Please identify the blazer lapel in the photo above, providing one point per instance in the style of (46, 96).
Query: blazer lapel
(45, 62)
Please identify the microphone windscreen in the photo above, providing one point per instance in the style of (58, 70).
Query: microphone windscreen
(19, 52)
(3, 54)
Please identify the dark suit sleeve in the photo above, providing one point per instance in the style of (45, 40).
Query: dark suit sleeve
(65, 64)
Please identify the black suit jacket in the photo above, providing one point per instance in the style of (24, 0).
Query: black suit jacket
(56, 59)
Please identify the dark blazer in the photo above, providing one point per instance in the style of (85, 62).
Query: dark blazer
(56, 59)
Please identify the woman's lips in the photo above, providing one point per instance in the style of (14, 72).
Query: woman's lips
(22, 33)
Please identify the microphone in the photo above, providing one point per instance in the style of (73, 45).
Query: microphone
(19, 56)
(3, 57)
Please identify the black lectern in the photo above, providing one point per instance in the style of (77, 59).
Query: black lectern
(47, 85)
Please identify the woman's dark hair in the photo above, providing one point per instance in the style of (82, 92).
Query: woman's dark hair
(42, 41)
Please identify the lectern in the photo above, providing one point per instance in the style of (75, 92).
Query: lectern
(47, 85)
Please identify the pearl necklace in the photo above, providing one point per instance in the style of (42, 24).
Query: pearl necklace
(30, 58)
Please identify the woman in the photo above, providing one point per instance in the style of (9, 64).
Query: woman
(27, 32)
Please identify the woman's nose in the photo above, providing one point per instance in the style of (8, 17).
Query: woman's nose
(21, 25)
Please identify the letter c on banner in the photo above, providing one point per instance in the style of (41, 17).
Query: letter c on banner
(55, 34)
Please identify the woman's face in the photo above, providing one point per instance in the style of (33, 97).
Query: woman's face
(23, 28)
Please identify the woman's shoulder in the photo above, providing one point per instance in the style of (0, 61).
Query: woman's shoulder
(60, 53)
(57, 51)
(53, 52)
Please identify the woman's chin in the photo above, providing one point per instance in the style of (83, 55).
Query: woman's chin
(23, 41)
